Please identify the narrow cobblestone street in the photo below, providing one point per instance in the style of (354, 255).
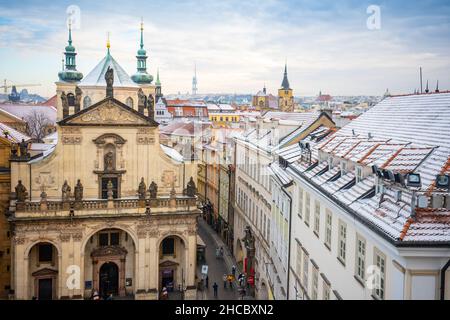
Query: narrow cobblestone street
(216, 267)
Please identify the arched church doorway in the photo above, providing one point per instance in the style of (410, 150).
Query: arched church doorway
(109, 279)
(109, 262)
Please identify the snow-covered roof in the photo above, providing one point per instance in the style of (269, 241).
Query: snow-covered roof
(172, 153)
(403, 134)
(22, 111)
(97, 76)
(13, 135)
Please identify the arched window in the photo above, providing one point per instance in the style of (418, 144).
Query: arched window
(71, 99)
(87, 102)
(129, 102)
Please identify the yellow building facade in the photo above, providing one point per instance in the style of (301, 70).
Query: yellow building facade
(108, 209)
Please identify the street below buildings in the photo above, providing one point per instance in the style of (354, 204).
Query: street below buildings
(217, 267)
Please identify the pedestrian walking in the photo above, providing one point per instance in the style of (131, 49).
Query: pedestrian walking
(233, 270)
(225, 279)
(207, 282)
(215, 287)
(230, 279)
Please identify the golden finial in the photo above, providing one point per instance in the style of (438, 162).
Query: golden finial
(142, 23)
(108, 44)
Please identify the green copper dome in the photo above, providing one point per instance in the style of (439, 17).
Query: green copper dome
(70, 72)
(141, 76)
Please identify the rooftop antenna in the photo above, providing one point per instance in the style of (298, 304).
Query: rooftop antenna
(437, 87)
(421, 91)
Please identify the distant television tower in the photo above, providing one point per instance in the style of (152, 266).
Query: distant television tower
(194, 81)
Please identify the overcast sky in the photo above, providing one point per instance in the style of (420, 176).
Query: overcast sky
(237, 45)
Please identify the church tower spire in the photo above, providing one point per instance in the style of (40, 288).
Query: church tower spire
(285, 94)
(70, 72)
(194, 81)
(141, 76)
(158, 92)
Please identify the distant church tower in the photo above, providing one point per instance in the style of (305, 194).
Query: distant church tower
(194, 81)
(285, 94)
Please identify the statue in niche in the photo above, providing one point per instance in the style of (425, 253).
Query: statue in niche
(109, 161)
(142, 190)
(66, 191)
(78, 94)
(109, 78)
(78, 191)
(191, 189)
(142, 101)
(151, 107)
(153, 190)
(65, 104)
(21, 192)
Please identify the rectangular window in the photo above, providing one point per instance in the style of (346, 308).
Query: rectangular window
(168, 246)
(45, 253)
(103, 239)
(114, 240)
(342, 241)
(380, 275)
(358, 174)
(317, 218)
(307, 207)
(300, 203)
(315, 283)
(298, 266)
(305, 270)
(328, 228)
(360, 257)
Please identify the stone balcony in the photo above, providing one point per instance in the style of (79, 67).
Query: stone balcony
(104, 207)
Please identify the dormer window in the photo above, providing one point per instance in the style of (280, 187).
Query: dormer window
(343, 168)
(358, 173)
(330, 162)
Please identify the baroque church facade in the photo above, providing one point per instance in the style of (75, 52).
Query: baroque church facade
(108, 209)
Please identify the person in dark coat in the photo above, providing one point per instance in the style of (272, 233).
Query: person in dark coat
(216, 288)
(207, 282)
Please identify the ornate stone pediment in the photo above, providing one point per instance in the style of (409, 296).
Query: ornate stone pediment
(108, 112)
(168, 263)
(44, 272)
(109, 251)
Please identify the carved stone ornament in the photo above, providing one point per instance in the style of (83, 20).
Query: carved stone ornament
(109, 251)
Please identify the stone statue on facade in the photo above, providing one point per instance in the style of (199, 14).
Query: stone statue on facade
(109, 190)
(142, 101)
(66, 191)
(109, 78)
(65, 104)
(23, 147)
(191, 189)
(78, 94)
(249, 240)
(151, 107)
(109, 161)
(78, 191)
(21, 192)
(153, 190)
(142, 190)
